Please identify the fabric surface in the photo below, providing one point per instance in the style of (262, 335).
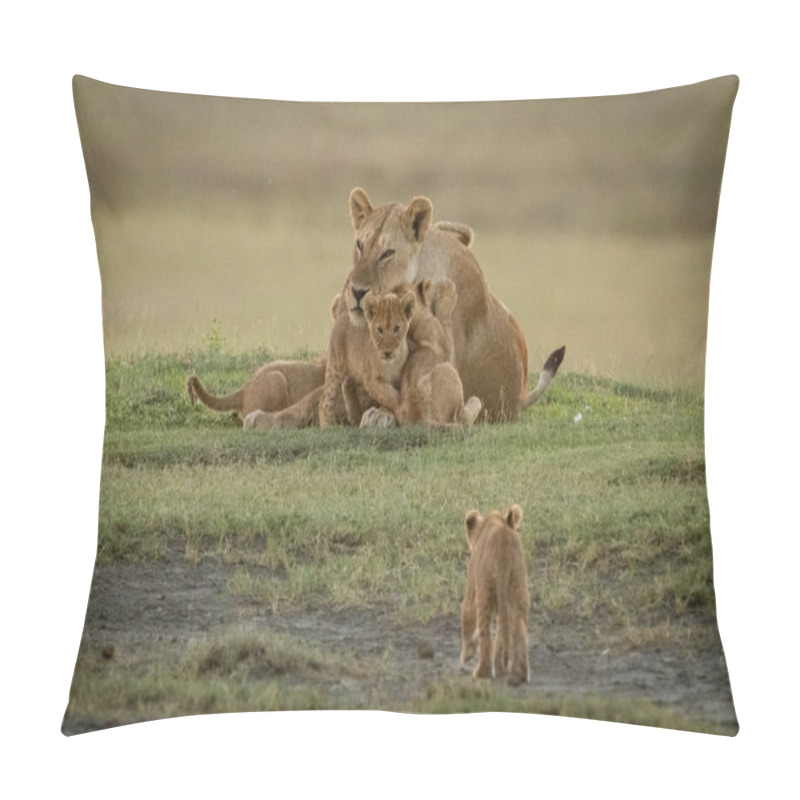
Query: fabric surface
(277, 565)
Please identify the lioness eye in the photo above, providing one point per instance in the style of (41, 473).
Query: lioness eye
(386, 254)
(359, 246)
(397, 329)
(380, 329)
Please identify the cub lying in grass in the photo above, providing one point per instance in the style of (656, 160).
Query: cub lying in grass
(497, 589)
(271, 388)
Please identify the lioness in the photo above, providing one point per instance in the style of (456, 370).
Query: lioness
(374, 357)
(271, 388)
(397, 245)
(497, 589)
(353, 399)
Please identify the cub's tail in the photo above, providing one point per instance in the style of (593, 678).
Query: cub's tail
(231, 402)
(549, 371)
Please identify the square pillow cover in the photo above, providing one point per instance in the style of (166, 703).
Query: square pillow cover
(404, 407)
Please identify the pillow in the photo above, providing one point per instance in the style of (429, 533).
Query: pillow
(259, 550)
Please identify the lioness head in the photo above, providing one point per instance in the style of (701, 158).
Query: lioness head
(475, 522)
(387, 240)
(388, 316)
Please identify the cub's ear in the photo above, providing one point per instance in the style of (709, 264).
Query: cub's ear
(416, 218)
(360, 207)
(424, 291)
(514, 516)
(472, 522)
(369, 304)
(335, 306)
(408, 302)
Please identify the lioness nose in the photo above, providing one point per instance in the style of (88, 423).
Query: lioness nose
(358, 294)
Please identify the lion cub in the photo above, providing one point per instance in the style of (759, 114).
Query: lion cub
(271, 388)
(431, 392)
(497, 589)
(373, 357)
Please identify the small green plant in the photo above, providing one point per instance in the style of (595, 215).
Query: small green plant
(215, 338)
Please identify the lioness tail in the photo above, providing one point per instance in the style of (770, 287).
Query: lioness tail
(549, 371)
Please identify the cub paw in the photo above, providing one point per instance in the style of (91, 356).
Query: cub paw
(378, 418)
(257, 419)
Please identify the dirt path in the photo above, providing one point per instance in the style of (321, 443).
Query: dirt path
(149, 607)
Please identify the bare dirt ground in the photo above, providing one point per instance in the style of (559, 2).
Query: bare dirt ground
(138, 608)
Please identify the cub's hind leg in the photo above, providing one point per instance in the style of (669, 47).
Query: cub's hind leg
(484, 667)
(502, 639)
(468, 628)
(519, 668)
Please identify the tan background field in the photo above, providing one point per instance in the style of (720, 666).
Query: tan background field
(594, 219)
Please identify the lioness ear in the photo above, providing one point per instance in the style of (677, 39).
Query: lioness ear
(472, 523)
(416, 218)
(408, 302)
(360, 207)
(514, 516)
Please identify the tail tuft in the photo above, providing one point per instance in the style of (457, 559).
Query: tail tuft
(549, 371)
(554, 360)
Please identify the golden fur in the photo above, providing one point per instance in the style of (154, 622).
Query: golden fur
(430, 390)
(397, 246)
(273, 387)
(497, 590)
(373, 356)
(353, 401)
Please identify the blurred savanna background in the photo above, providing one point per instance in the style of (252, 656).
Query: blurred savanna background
(228, 218)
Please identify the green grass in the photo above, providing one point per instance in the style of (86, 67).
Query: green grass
(238, 672)
(467, 697)
(616, 516)
(616, 533)
(243, 672)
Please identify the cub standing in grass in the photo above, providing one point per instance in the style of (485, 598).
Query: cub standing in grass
(497, 589)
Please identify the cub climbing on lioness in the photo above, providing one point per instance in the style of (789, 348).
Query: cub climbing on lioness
(497, 589)
(372, 357)
(431, 392)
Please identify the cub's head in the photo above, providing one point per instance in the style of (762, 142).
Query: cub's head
(387, 241)
(476, 524)
(388, 317)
